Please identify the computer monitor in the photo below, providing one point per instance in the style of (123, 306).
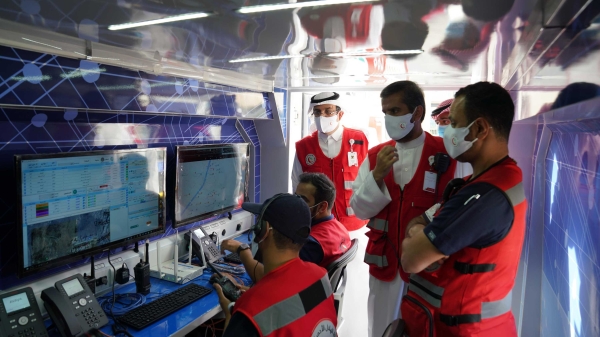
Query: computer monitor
(80, 203)
(210, 180)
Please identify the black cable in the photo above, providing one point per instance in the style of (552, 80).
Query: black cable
(116, 325)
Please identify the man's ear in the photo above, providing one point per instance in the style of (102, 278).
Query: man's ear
(482, 128)
(340, 115)
(323, 207)
(418, 114)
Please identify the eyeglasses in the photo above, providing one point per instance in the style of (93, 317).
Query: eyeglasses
(326, 113)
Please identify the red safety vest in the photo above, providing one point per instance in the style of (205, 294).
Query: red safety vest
(471, 293)
(294, 299)
(333, 238)
(313, 159)
(389, 226)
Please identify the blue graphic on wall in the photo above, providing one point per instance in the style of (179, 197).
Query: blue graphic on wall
(571, 265)
(102, 108)
(43, 80)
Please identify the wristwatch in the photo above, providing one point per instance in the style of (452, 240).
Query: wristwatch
(243, 246)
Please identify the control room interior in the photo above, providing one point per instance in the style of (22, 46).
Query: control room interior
(110, 106)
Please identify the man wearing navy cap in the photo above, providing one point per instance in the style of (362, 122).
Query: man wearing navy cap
(335, 151)
(294, 298)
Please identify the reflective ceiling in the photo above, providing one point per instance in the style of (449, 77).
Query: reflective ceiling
(519, 43)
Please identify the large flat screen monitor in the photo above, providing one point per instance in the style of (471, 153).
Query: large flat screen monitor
(211, 180)
(80, 203)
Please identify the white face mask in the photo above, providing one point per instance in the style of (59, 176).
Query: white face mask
(399, 126)
(326, 124)
(454, 140)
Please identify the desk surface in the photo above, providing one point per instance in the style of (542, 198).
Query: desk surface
(183, 320)
(180, 322)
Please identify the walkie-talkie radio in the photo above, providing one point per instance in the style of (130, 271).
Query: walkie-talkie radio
(142, 275)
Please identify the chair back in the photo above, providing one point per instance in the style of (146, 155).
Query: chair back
(336, 268)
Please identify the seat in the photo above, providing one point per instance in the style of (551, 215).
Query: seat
(338, 276)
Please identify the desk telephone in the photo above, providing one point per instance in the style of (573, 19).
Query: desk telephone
(20, 314)
(211, 252)
(73, 307)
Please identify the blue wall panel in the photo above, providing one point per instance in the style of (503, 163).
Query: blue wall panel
(34, 79)
(96, 107)
(571, 266)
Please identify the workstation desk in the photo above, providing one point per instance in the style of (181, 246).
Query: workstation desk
(182, 321)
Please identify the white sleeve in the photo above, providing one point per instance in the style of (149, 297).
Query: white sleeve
(463, 170)
(367, 198)
(296, 172)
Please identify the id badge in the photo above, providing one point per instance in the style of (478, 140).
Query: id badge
(429, 181)
(352, 159)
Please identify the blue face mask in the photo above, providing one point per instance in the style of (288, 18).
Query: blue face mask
(441, 129)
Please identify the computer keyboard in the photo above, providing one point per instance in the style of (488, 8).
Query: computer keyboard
(233, 258)
(149, 313)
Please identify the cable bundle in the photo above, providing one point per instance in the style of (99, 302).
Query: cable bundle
(121, 307)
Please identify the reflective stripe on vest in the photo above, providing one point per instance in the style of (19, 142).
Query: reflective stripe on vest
(379, 261)
(292, 308)
(516, 194)
(496, 308)
(348, 184)
(349, 211)
(426, 290)
(378, 224)
(488, 310)
(433, 295)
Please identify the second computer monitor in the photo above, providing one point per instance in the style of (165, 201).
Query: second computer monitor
(211, 180)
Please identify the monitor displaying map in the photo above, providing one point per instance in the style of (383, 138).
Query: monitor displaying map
(211, 180)
(76, 204)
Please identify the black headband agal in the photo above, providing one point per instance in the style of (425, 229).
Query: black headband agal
(330, 98)
(440, 109)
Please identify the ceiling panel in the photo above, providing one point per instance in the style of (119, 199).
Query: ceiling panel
(521, 43)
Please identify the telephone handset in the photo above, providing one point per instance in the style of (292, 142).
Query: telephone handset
(211, 252)
(73, 307)
(20, 314)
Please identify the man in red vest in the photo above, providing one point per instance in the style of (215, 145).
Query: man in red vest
(473, 243)
(328, 239)
(399, 180)
(294, 298)
(335, 151)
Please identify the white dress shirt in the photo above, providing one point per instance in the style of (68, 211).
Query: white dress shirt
(329, 144)
(367, 198)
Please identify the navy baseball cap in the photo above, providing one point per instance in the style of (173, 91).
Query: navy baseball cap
(287, 213)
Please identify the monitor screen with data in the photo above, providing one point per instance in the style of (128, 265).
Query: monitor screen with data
(211, 180)
(76, 204)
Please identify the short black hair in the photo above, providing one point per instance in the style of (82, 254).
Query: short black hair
(412, 95)
(283, 242)
(325, 189)
(491, 102)
(487, 11)
(575, 93)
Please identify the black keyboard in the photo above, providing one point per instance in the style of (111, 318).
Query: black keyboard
(149, 313)
(233, 258)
